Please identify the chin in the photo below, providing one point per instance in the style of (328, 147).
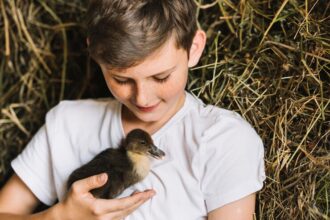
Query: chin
(147, 118)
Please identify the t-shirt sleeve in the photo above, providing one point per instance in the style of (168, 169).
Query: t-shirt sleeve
(33, 166)
(233, 162)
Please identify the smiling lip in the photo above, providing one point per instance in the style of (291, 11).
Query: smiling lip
(147, 109)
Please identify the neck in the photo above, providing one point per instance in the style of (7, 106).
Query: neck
(141, 164)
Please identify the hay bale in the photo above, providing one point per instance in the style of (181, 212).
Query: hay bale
(267, 60)
(270, 61)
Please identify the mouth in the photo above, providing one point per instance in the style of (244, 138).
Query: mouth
(147, 108)
(156, 153)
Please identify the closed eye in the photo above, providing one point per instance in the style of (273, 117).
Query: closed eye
(122, 81)
(127, 81)
(162, 79)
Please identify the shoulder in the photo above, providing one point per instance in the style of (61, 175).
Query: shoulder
(230, 126)
(89, 109)
(221, 131)
(215, 122)
(75, 118)
(82, 106)
(230, 133)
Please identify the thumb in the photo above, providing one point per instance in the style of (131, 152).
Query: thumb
(89, 183)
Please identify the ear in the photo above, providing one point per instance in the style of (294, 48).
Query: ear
(87, 41)
(196, 48)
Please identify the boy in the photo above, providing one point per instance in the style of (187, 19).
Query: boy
(214, 159)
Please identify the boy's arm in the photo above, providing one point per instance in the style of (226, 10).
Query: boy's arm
(16, 197)
(242, 209)
(17, 202)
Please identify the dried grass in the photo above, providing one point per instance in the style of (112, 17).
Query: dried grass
(268, 60)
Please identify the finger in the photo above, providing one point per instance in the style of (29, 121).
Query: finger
(125, 212)
(115, 205)
(131, 209)
(89, 183)
(135, 192)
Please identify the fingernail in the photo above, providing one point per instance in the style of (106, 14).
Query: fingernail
(136, 192)
(102, 177)
(151, 193)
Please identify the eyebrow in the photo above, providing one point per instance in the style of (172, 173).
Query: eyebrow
(153, 75)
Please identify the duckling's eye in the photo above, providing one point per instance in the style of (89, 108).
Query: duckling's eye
(143, 142)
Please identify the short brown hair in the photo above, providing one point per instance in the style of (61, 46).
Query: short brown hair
(123, 33)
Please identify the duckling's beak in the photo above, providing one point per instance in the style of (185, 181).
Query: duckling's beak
(156, 152)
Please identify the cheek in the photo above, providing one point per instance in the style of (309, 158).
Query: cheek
(120, 92)
(174, 88)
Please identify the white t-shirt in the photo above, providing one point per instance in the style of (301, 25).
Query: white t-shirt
(213, 156)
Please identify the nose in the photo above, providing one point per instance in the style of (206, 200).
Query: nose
(142, 94)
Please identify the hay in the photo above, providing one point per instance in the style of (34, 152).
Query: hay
(36, 48)
(267, 60)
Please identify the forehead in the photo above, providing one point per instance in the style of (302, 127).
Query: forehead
(162, 59)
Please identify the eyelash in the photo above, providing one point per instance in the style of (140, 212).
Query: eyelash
(163, 80)
(121, 82)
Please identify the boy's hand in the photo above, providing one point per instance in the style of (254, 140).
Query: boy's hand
(81, 204)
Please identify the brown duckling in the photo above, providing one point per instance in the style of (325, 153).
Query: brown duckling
(124, 166)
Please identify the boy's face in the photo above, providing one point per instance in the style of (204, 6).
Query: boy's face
(153, 90)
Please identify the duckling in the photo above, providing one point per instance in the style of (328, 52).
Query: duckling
(124, 166)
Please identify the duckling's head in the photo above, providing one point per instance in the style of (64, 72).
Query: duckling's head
(139, 141)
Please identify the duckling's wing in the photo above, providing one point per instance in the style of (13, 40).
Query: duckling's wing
(114, 162)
